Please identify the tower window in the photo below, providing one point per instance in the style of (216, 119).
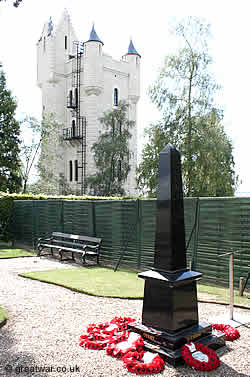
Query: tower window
(76, 97)
(70, 171)
(115, 97)
(76, 170)
(73, 128)
(65, 42)
(70, 98)
(119, 170)
(44, 44)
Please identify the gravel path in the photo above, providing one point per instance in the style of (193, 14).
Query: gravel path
(45, 322)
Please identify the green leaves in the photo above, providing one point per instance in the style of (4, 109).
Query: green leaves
(10, 179)
(111, 153)
(184, 93)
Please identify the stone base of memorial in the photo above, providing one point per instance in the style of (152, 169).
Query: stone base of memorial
(170, 315)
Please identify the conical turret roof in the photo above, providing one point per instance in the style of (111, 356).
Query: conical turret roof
(132, 50)
(93, 36)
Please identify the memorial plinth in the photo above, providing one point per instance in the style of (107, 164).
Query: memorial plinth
(170, 309)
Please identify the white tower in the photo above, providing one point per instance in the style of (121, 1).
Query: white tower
(79, 82)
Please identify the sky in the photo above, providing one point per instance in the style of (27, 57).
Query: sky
(148, 24)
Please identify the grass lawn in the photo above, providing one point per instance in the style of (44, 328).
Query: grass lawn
(221, 294)
(9, 252)
(96, 281)
(3, 316)
(100, 281)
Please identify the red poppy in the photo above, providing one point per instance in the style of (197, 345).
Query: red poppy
(231, 332)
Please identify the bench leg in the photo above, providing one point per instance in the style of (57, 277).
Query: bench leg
(51, 250)
(60, 253)
(83, 258)
(246, 282)
(73, 257)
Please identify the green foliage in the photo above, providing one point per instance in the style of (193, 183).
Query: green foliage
(42, 152)
(10, 179)
(111, 153)
(184, 93)
(30, 150)
(15, 3)
(6, 205)
(50, 180)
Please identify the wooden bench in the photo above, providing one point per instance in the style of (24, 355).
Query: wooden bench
(70, 243)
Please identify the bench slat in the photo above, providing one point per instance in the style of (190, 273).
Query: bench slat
(76, 237)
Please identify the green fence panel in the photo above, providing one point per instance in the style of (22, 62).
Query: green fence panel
(47, 217)
(78, 217)
(127, 228)
(23, 221)
(147, 221)
(106, 224)
(131, 255)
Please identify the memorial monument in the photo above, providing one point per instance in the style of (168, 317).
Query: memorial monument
(170, 310)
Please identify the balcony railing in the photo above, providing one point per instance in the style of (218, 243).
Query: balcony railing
(71, 102)
(72, 133)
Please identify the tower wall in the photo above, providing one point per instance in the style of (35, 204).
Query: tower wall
(100, 75)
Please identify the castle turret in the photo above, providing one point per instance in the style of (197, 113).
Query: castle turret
(53, 50)
(46, 54)
(133, 58)
(93, 72)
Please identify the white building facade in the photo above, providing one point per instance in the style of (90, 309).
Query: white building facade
(79, 82)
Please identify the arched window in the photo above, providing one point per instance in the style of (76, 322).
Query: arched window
(70, 171)
(119, 170)
(115, 97)
(76, 170)
(65, 42)
(76, 97)
(73, 128)
(70, 98)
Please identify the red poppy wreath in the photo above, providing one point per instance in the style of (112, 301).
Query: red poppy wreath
(100, 336)
(231, 332)
(143, 362)
(200, 357)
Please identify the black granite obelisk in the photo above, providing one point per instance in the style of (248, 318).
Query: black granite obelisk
(170, 309)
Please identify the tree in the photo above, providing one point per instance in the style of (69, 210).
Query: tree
(44, 152)
(40, 153)
(184, 93)
(111, 153)
(10, 179)
(30, 149)
(15, 3)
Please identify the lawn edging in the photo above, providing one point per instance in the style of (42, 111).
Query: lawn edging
(3, 317)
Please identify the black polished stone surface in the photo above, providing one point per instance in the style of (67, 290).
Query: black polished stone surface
(170, 253)
(168, 307)
(170, 310)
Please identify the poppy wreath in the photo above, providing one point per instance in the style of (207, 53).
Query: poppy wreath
(231, 332)
(134, 342)
(209, 362)
(100, 336)
(143, 362)
(120, 343)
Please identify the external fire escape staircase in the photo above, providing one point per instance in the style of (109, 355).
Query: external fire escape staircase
(77, 132)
